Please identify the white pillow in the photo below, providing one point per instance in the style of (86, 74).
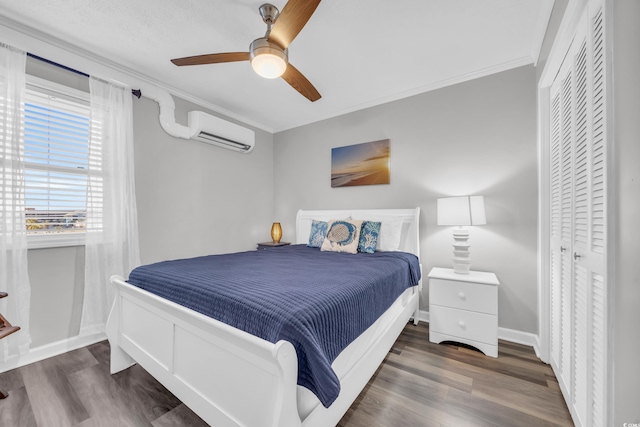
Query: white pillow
(390, 232)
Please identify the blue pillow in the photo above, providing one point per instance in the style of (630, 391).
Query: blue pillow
(369, 236)
(318, 233)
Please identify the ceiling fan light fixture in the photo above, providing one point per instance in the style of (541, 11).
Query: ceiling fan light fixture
(268, 60)
(269, 55)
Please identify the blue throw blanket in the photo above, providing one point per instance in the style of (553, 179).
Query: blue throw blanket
(318, 301)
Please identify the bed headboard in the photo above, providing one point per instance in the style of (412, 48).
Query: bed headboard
(409, 238)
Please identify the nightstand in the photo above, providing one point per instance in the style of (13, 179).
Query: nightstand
(270, 245)
(464, 308)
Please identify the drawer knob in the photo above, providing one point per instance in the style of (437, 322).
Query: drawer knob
(461, 324)
(461, 295)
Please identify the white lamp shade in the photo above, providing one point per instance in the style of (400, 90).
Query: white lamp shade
(461, 211)
(478, 214)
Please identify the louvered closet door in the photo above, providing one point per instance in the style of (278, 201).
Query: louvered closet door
(561, 220)
(557, 248)
(597, 340)
(578, 218)
(580, 233)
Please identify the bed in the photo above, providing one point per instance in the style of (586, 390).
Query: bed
(230, 377)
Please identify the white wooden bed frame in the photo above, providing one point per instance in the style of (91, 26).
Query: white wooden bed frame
(227, 376)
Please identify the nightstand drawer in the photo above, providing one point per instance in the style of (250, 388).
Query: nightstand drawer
(464, 295)
(464, 324)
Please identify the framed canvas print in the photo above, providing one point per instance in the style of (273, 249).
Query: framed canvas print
(360, 164)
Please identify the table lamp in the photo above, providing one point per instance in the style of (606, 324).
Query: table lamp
(461, 212)
(276, 232)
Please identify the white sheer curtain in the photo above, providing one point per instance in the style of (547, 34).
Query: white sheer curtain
(14, 277)
(112, 224)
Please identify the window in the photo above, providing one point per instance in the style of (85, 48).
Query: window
(56, 154)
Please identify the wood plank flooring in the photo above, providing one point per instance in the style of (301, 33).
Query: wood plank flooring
(419, 384)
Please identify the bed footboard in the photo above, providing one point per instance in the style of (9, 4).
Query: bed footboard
(227, 376)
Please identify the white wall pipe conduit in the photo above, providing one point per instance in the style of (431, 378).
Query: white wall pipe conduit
(167, 112)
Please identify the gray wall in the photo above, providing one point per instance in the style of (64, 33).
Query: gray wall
(193, 199)
(477, 137)
(625, 204)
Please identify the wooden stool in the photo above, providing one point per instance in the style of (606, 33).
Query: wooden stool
(5, 329)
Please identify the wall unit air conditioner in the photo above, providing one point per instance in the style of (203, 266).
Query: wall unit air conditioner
(216, 131)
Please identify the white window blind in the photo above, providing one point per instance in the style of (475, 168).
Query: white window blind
(56, 154)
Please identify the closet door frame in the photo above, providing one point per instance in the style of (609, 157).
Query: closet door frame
(560, 49)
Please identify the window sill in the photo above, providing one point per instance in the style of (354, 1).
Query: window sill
(55, 240)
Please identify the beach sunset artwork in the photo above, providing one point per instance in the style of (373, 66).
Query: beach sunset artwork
(360, 164)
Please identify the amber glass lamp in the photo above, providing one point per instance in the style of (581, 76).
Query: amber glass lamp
(276, 232)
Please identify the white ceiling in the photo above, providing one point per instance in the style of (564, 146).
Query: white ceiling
(357, 53)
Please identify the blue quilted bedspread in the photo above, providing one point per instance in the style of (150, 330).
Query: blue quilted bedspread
(318, 301)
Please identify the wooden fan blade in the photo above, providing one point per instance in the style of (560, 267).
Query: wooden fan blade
(293, 17)
(300, 83)
(212, 58)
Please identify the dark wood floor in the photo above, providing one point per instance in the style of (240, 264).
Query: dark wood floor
(419, 384)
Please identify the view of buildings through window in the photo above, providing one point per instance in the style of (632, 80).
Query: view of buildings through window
(56, 154)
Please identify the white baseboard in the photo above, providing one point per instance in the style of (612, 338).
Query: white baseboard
(423, 316)
(52, 349)
(519, 337)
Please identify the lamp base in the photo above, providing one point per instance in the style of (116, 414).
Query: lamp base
(461, 258)
(461, 268)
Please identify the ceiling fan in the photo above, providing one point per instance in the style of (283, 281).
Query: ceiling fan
(269, 55)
